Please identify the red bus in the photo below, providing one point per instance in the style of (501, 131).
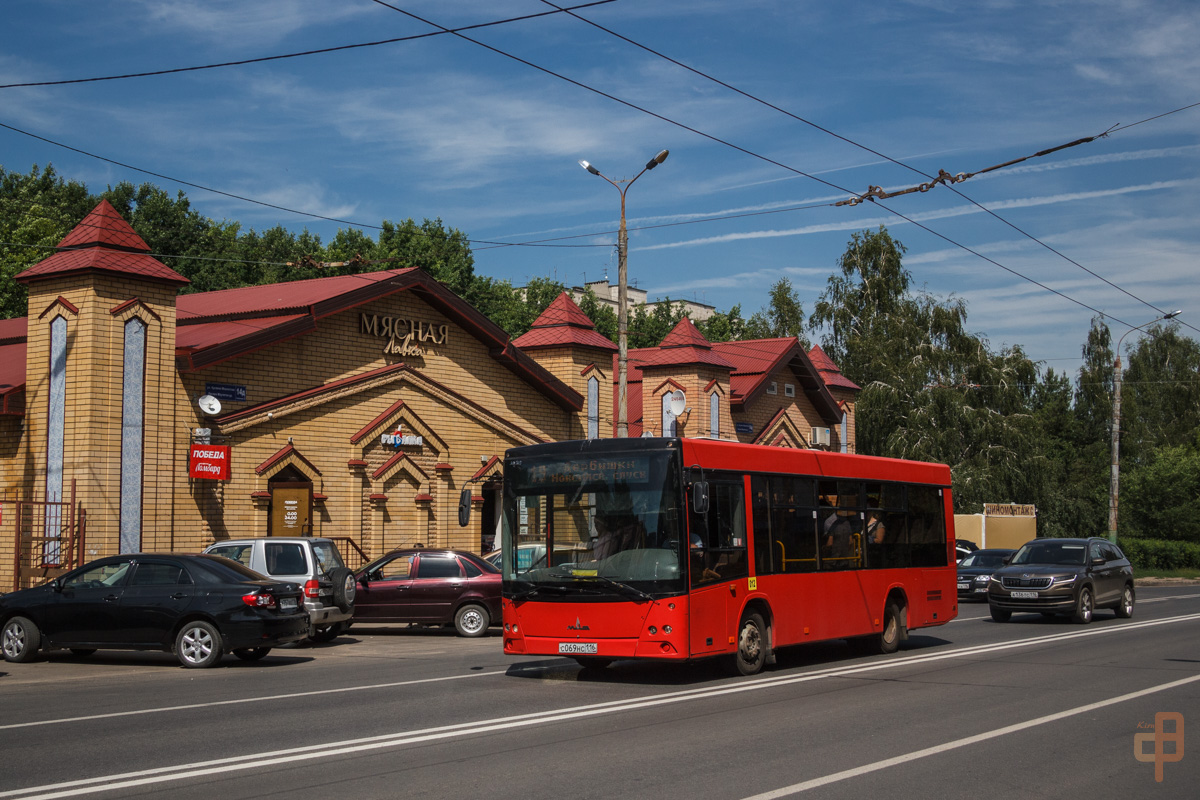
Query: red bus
(689, 548)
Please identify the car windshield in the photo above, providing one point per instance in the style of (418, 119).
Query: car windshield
(594, 524)
(1051, 552)
(980, 559)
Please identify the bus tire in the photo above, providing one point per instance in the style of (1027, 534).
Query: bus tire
(751, 652)
(893, 628)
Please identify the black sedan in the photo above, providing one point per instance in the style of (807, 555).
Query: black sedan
(975, 570)
(197, 606)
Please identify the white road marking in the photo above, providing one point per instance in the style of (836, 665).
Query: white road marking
(865, 769)
(309, 753)
(241, 700)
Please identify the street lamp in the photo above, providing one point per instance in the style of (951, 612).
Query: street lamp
(1116, 427)
(622, 186)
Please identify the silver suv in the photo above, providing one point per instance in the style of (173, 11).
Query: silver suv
(313, 563)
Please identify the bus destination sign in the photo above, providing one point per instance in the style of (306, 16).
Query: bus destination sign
(626, 469)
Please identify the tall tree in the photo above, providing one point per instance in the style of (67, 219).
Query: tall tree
(783, 316)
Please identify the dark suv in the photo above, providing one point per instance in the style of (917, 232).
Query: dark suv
(1072, 577)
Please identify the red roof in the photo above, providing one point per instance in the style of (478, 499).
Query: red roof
(104, 226)
(685, 334)
(13, 330)
(102, 242)
(343, 291)
(830, 371)
(12, 367)
(563, 323)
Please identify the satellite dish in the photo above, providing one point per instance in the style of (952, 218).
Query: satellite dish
(209, 405)
(678, 402)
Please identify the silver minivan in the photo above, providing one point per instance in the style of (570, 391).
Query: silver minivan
(312, 562)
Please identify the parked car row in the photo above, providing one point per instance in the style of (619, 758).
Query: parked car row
(248, 596)
(243, 597)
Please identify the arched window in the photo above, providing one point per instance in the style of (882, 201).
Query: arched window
(55, 435)
(714, 415)
(593, 408)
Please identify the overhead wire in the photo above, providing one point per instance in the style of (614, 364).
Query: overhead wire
(455, 32)
(743, 150)
(301, 54)
(943, 177)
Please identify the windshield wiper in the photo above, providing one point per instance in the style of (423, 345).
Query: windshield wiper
(623, 587)
(550, 588)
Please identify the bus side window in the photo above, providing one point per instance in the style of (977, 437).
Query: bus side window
(927, 527)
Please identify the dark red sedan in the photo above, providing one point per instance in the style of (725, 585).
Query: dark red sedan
(430, 586)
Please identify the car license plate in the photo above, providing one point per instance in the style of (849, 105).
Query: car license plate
(981, 589)
(583, 648)
(964, 586)
(287, 604)
(1024, 595)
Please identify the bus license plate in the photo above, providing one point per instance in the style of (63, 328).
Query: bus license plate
(580, 648)
(1024, 595)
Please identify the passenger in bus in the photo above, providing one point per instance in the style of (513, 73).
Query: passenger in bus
(839, 532)
(875, 527)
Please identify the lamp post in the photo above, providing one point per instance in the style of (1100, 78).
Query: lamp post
(1116, 427)
(622, 186)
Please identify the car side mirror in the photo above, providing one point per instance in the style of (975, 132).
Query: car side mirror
(1098, 562)
(464, 508)
(700, 497)
(56, 585)
(1007, 560)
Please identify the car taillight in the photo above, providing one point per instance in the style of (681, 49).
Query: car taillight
(312, 589)
(259, 600)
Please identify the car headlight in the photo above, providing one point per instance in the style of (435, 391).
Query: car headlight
(1060, 580)
(982, 578)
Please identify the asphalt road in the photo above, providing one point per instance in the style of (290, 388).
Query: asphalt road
(1033, 707)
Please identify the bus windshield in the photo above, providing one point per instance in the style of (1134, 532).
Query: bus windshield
(591, 524)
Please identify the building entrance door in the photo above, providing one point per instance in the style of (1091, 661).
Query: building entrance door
(291, 508)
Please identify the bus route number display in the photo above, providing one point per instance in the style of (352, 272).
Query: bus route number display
(605, 471)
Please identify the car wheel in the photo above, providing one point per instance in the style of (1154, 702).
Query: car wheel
(471, 621)
(1000, 615)
(1125, 609)
(751, 645)
(82, 652)
(20, 640)
(327, 633)
(251, 653)
(592, 662)
(344, 586)
(198, 645)
(1084, 605)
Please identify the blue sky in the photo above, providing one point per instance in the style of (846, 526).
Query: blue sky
(442, 127)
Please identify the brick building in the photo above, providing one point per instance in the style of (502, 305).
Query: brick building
(353, 406)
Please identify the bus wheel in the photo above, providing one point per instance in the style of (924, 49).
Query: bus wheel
(751, 645)
(889, 638)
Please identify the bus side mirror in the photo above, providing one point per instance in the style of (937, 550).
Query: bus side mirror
(700, 497)
(464, 508)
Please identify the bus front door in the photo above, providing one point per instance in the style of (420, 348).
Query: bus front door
(708, 629)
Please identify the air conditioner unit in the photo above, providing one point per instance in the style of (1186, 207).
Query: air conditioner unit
(820, 437)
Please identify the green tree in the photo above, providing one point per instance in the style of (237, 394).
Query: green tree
(782, 317)
(1160, 394)
(932, 391)
(725, 326)
(36, 211)
(1160, 498)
